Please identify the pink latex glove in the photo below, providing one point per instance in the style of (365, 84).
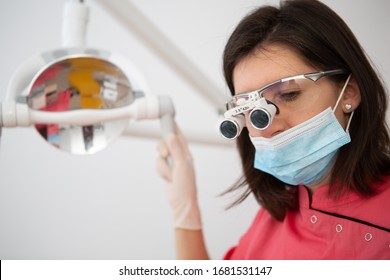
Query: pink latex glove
(175, 166)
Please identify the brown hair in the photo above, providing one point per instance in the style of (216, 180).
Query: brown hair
(324, 41)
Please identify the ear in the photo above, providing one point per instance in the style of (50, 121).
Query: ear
(351, 97)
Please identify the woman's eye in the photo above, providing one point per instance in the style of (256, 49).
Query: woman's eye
(288, 96)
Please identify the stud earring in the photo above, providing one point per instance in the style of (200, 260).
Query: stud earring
(348, 107)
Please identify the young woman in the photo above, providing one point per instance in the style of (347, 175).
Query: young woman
(315, 148)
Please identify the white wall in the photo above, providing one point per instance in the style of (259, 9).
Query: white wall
(111, 205)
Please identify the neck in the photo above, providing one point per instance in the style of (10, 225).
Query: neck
(323, 181)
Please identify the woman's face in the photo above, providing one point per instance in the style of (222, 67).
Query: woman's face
(273, 63)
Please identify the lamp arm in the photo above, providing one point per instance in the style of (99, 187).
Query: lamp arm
(74, 24)
(131, 18)
(23, 75)
(151, 107)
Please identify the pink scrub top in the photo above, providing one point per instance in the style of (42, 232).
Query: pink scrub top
(352, 227)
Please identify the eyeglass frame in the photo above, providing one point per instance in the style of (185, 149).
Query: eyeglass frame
(255, 95)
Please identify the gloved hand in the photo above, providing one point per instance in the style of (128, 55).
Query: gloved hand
(175, 166)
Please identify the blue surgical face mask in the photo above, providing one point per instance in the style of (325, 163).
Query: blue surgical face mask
(305, 153)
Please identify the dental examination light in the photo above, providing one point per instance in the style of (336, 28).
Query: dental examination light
(81, 99)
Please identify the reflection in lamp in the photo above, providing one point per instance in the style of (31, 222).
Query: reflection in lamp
(77, 83)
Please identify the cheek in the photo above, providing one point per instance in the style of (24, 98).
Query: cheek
(341, 117)
(253, 131)
(304, 116)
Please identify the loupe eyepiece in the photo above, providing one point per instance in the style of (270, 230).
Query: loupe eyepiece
(231, 128)
(262, 115)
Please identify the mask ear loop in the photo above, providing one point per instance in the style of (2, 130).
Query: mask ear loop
(349, 122)
(338, 101)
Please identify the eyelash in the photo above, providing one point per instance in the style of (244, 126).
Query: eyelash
(289, 96)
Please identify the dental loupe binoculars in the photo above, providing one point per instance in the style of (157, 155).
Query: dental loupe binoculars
(261, 114)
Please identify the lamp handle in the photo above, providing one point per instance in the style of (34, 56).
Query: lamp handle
(146, 108)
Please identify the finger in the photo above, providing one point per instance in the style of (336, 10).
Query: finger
(181, 138)
(163, 169)
(176, 150)
(186, 153)
(162, 149)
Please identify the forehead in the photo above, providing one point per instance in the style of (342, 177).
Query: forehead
(266, 65)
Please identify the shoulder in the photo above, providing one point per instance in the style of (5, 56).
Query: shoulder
(377, 206)
(382, 188)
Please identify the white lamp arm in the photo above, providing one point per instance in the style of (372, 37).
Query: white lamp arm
(74, 24)
(151, 107)
(23, 75)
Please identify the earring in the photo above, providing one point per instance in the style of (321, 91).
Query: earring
(348, 106)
